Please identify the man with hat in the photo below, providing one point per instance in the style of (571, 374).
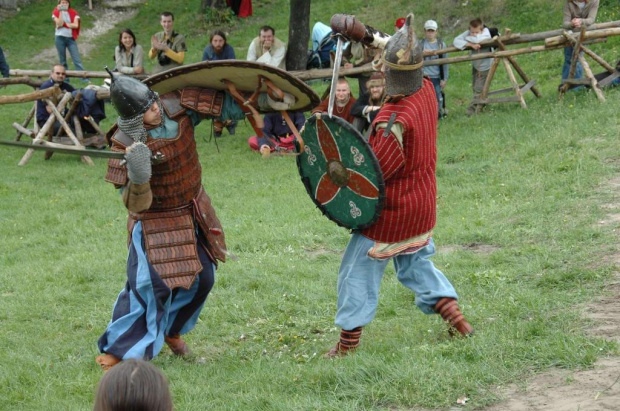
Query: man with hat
(175, 237)
(403, 138)
(438, 74)
(367, 106)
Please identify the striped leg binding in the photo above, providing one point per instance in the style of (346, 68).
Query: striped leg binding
(349, 340)
(449, 310)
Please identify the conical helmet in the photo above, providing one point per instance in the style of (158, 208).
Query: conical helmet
(403, 60)
(130, 97)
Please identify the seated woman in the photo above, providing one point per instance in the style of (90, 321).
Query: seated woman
(128, 54)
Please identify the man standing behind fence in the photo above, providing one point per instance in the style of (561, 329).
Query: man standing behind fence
(576, 15)
(480, 68)
(167, 46)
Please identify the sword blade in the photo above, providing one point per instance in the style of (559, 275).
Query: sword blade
(332, 90)
(63, 148)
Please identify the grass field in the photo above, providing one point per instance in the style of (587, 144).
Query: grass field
(521, 194)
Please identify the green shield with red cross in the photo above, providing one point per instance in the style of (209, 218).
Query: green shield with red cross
(340, 172)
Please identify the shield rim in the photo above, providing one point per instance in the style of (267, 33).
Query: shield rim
(158, 81)
(380, 181)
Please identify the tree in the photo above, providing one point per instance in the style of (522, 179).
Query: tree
(298, 35)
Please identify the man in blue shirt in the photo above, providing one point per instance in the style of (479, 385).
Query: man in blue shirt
(57, 77)
(219, 49)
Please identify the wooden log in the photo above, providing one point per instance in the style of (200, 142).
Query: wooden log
(499, 91)
(74, 105)
(518, 68)
(609, 79)
(70, 73)
(24, 125)
(593, 34)
(80, 135)
(527, 38)
(94, 124)
(489, 79)
(43, 131)
(327, 73)
(513, 81)
(103, 93)
(576, 51)
(594, 83)
(529, 85)
(501, 53)
(21, 80)
(63, 123)
(576, 81)
(512, 99)
(22, 130)
(598, 59)
(35, 95)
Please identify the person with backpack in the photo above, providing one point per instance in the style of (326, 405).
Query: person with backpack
(471, 38)
(437, 74)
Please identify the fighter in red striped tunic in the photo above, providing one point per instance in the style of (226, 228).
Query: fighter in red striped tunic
(403, 138)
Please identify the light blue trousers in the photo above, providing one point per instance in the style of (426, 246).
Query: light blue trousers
(360, 277)
(146, 310)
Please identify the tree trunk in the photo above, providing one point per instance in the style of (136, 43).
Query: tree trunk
(298, 35)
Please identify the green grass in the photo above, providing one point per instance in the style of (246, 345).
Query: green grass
(528, 184)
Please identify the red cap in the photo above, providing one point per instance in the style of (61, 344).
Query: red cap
(400, 22)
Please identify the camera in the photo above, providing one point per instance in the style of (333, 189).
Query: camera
(63, 7)
(163, 59)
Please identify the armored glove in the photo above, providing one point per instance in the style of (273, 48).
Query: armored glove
(138, 157)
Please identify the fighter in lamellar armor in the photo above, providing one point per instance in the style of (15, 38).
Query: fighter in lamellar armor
(175, 237)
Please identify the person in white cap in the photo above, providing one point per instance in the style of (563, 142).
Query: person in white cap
(437, 73)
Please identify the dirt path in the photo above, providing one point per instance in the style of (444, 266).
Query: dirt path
(597, 389)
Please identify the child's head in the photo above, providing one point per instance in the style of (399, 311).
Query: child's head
(475, 27)
(133, 384)
(430, 30)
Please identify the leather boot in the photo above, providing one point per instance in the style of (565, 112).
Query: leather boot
(177, 345)
(349, 340)
(449, 310)
(107, 361)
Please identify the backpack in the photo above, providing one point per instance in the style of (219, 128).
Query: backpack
(320, 58)
(494, 31)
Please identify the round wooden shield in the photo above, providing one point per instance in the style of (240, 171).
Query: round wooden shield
(243, 74)
(340, 172)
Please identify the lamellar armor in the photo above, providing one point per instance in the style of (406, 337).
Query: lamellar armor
(180, 209)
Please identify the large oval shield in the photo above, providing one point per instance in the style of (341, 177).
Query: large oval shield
(340, 172)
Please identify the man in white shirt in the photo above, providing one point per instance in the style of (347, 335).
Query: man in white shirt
(268, 49)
